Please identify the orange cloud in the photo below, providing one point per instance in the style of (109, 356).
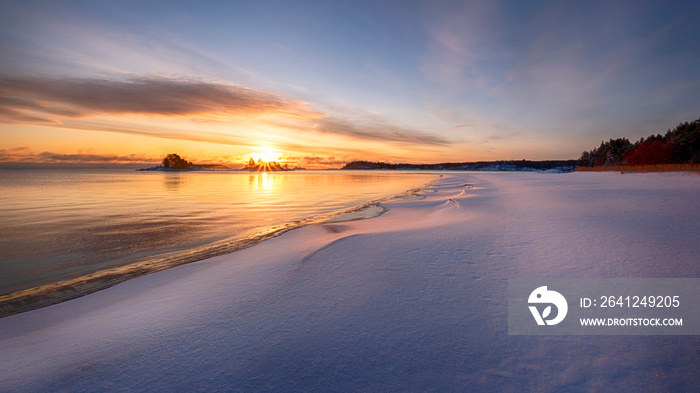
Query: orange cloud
(92, 158)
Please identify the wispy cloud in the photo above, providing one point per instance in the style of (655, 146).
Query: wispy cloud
(462, 36)
(598, 68)
(381, 132)
(316, 161)
(92, 158)
(23, 99)
(25, 154)
(192, 135)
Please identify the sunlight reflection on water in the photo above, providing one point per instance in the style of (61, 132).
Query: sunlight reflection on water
(62, 223)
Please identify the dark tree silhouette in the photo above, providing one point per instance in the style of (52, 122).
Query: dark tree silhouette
(174, 161)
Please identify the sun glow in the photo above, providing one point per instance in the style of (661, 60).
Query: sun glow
(266, 160)
(267, 156)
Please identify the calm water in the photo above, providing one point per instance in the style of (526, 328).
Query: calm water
(61, 223)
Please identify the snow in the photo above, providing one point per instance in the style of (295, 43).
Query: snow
(412, 300)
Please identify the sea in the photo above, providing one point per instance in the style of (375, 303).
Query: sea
(60, 223)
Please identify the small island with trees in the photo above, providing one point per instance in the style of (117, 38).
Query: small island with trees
(175, 163)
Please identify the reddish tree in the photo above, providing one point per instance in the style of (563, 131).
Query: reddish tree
(657, 152)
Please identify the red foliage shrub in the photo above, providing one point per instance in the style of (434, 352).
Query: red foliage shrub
(654, 153)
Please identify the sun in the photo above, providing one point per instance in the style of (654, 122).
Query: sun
(267, 156)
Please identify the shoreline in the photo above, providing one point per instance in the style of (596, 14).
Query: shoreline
(64, 290)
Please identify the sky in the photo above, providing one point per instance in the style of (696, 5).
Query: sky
(326, 82)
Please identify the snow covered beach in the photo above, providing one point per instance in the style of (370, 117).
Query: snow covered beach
(413, 300)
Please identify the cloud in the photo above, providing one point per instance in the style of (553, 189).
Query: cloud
(24, 99)
(24, 154)
(314, 161)
(20, 154)
(19, 149)
(377, 131)
(92, 158)
(462, 36)
(164, 133)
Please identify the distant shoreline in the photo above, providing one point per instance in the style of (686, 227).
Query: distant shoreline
(486, 166)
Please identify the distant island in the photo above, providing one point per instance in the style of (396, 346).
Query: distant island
(175, 163)
(522, 165)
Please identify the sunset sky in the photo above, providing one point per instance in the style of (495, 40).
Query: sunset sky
(326, 82)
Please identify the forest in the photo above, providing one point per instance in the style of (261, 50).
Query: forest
(678, 146)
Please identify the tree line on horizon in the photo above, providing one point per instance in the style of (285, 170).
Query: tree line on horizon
(678, 146)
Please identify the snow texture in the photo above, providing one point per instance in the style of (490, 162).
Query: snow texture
(413, 300)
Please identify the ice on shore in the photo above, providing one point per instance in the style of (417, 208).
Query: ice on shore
(412, 300)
